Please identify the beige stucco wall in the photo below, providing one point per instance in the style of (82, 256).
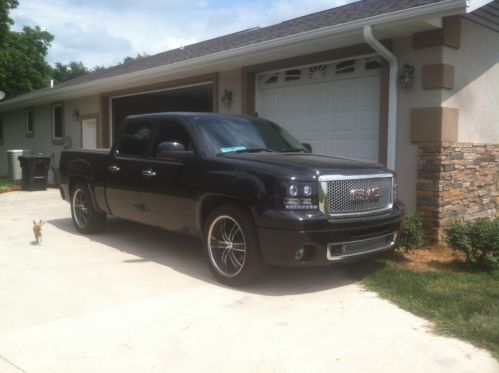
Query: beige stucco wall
(15, 137)
(231, 80)
(476, 88)
(85, 105)
(407, 100)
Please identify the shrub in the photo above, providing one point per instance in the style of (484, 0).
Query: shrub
(477, 239)
(412, 236)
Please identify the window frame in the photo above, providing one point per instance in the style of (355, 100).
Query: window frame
(29, 114)
(147, 149)
(57, 140)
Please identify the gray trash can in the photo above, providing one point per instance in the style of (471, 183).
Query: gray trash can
(14, 167)
(35, 172)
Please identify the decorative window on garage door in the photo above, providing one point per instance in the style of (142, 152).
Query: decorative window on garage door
(345, 69)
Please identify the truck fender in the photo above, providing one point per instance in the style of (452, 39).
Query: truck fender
(82, 170)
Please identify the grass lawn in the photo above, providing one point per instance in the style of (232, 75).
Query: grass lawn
(460, 302)
(7, 184)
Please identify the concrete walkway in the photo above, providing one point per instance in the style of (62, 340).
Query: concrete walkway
(137, 299)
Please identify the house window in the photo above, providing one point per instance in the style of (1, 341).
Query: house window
(372, 64)
(57, 122)
(30, 130)
(345, 67)
(271, 79)
(292, 75)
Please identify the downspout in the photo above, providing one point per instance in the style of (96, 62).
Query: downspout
(392, 94)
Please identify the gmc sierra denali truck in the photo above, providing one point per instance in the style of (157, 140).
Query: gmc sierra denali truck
(255, 195)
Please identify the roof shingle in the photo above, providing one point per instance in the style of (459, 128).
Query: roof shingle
(331, 17)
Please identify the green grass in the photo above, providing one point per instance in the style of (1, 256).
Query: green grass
(6, 183)
(461, 304)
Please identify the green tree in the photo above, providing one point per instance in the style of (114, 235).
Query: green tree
(5, 20)
(61, 72)
(22, 61)
(137, 57)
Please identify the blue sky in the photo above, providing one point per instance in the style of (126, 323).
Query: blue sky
(102, 32)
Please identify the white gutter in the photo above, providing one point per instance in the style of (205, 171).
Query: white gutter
(392, 94)
(446, 6)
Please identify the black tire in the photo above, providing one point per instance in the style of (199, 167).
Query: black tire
(231, 246)
(85, 218)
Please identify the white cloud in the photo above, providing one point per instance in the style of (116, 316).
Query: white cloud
(102, 32)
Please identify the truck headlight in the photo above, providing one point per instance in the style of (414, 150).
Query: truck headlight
(298, 196)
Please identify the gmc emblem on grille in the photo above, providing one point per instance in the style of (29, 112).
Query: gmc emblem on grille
(371, 194)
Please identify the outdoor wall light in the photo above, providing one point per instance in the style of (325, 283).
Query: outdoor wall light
(226, 97)
(76, 114)
(406, 77)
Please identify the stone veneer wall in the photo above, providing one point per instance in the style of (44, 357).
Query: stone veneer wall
(456, 180)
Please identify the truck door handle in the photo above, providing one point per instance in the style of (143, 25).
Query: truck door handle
(113, 168)
(148, 173)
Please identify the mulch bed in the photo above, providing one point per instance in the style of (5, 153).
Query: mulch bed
(10, 188)
(437, 257)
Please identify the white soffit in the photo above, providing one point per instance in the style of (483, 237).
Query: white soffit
(472, 5)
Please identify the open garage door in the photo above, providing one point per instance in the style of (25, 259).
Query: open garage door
(334, 107)
(196, 98)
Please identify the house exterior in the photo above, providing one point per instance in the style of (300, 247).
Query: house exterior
(413, 84)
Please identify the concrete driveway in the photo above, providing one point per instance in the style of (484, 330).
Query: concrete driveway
(137, 299)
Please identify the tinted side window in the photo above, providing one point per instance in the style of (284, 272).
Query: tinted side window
(135, 138)
(171, 131)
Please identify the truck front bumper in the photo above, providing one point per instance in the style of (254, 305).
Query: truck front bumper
(306, 238)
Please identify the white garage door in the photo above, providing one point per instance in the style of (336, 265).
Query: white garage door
(334, 107)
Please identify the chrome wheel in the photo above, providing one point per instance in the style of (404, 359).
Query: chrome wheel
(226, 246)
(80, 207)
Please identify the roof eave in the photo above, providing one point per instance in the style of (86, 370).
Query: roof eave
(447, 7)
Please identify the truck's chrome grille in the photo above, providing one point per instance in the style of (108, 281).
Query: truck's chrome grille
(355, 195)
(338, 251)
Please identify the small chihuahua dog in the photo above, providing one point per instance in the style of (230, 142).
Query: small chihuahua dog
(37, 231)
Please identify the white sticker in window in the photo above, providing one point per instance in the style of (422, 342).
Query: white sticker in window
(232, 149)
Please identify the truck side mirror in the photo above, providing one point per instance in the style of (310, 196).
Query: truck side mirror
(172, 150)
(307, 146)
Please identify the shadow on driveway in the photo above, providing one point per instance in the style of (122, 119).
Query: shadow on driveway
(184, 254)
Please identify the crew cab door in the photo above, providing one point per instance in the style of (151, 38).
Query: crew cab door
(168, 184)
(124, 169)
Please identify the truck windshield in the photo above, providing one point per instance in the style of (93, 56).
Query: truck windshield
(239, 135)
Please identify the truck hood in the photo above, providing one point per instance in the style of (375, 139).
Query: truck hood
(305, 165)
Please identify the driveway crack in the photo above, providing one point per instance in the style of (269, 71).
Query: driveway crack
(12, 364)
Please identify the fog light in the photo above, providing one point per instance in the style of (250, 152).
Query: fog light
(293, 190)
(300, 253)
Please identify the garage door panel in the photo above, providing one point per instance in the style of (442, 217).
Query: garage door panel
(343, 148)
(290, 100)
(336, 116)
(342, 121)
(367, 120)
(367, 92)
(315, 123)
(342, 96)
(269, 101)
(315, 97)
(292, 122)
(365, 150)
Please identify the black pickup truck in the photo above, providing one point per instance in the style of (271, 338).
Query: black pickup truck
(255, 194)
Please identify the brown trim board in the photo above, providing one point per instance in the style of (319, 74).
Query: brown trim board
(438, 124)
(437, 76)
(449, 35)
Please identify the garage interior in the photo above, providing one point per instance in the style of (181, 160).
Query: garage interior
(197, 98)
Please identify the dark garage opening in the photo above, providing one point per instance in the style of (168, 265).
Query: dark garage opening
(195, 98)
